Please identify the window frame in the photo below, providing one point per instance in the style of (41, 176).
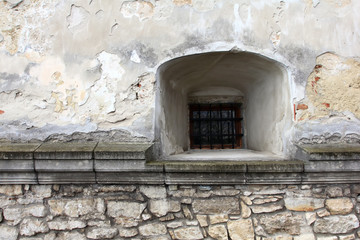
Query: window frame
(237, 125)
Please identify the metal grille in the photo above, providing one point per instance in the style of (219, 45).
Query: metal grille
(215, 126)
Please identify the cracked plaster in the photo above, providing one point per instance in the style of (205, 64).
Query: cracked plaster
(86, 66)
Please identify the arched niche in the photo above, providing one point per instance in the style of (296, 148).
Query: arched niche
(261, 82)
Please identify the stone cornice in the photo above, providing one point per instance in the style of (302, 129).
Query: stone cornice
(133, 163)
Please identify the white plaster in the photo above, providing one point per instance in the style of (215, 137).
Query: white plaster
(110, 65)
(141, 9)
(315, 3)
(135, 57)
(203, 5)
(163, 9)
(78, 18)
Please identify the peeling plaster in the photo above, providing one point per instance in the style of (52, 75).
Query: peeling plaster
(333, 87)
(91, 66)
(135, 57)
(78, 18)
(141, 9)
(14, 3)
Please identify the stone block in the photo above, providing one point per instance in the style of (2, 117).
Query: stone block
(127, 232)
(154, 192)
(30, 227)
(266, 208)
(188, 233)
(16, 165)
(336, 224)
(218, 218)
(102, 233)
(64, 165)
(125, 209)
(274, 178)
(218, 232)
(218, 205)
(286, 222)
(161, 207)
(152, 229)
(204, 166)
(77, 207)
(332, 151)
(118, 151)
(121, 165)
(333, 177)
(339, 205)
(304, 204)
(241, 229)
(70, 236)
(66, 178)
(204, 178)
(333, 166)
(17, 151)
(52, 151)
(61, 225)
(18, 178)
(8, 233)
(130, 178)
(276, 166)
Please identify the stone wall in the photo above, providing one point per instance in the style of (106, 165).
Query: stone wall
(260, 212)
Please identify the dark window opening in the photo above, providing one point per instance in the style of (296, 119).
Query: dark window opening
(215, 126)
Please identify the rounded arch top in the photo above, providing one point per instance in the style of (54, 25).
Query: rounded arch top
(226, 69)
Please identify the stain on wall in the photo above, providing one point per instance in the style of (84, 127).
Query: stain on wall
(333, 88)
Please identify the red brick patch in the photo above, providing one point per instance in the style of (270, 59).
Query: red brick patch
(302, 106)
(326, 104)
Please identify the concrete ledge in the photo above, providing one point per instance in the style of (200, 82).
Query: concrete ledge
(66, 178)
(122, 151)
(333, 166)
(208, 166)
(65, 151)
(18, 151)
(125, 166)
(18, 178)
(335, 152)
(64, 165)
(330, 177)
(205, 178)
(130, 178)
(125, 163)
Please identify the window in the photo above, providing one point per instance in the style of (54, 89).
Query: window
(215, 126)
(222, 77)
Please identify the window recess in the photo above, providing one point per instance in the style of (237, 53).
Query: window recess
(215, 126)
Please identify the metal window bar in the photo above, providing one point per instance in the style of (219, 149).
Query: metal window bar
(199, 107)
(215, 136)
(232, 112)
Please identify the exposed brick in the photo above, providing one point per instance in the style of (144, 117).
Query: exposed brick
(302, 106)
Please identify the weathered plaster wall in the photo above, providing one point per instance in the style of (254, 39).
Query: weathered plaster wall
(90, 66)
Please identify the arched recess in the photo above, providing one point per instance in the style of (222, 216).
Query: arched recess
(262, 83)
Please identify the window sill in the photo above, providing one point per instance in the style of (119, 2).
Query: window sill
(225, 155)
